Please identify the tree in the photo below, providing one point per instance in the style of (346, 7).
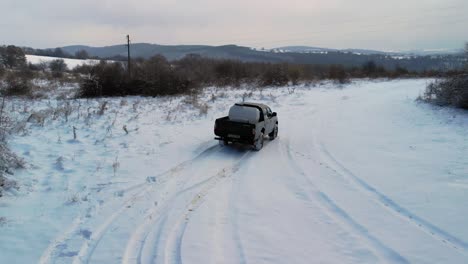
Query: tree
(466, 55)
(12, 57)
(58, 67)
(58, 52)
(369, 68)
(43, 66)
(294, 73)
(275, 75)
(82, 55)
(399, 70)
(338, 74)
(17, 85)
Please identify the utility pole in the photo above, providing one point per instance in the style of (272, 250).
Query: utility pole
(128, 57)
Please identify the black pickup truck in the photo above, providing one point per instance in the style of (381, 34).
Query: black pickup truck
(247, 123)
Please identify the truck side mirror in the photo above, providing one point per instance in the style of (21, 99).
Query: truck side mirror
(274, 114)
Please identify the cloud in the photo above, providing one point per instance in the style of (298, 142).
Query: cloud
(398, 24)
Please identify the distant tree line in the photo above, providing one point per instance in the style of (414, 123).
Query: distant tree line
(59, 53)
(233, 52)
(158, 76)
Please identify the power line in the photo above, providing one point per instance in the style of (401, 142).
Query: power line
(128, 56)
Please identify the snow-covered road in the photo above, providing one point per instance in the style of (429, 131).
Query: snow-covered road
(362, 174)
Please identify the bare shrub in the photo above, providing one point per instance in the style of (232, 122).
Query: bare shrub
(452, 91)
(246, 95)
(59, 163)
(169, 116)
(57, 67)
(193, 100)
(37, 118)
(73, 199)
(17, 86)
(67, 110)
(7, 184)
(64, 110)
(203, 109)
(115, 165)
(275, 75)
(3, 119)
(135, 105)
(8, 160)
(74, 133)
(102, 108)
(338, 74)
(213, 98)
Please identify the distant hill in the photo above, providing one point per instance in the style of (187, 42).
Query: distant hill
(428, 52)
(306, 49)
(290, 54)
(146, 50)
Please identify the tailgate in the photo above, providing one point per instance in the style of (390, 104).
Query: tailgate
(234, 130)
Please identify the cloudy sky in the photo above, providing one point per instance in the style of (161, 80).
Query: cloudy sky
(372, 24)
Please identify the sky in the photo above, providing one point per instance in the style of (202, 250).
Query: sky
(391, 25)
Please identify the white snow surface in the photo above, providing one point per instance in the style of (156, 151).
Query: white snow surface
(71, 63)
(359, 174)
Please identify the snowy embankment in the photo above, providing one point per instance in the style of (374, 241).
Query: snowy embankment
(363, 174)
(71, 63)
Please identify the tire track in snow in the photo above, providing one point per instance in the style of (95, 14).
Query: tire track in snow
(235, 226)
(340, 214)
(174, 245)
(50, 253)
(135, 249)
(87, 249)
(385, 201)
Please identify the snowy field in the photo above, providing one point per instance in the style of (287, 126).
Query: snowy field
(71, 63)
(358, 174)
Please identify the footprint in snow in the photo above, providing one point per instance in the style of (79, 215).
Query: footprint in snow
(68, 254)
(151, 179)
(86, 233)
(119, 193)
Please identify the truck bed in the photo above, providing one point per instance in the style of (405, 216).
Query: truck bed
(234, 131)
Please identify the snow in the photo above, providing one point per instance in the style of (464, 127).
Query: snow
(71, 63)
(359, 174)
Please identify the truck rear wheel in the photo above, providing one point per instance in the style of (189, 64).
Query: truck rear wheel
(274, 133)
(259, 142)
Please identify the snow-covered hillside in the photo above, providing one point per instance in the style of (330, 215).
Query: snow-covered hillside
(358, 174)
(71, 63)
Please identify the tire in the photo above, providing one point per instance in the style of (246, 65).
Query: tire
(259, 142)
(274, 133)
